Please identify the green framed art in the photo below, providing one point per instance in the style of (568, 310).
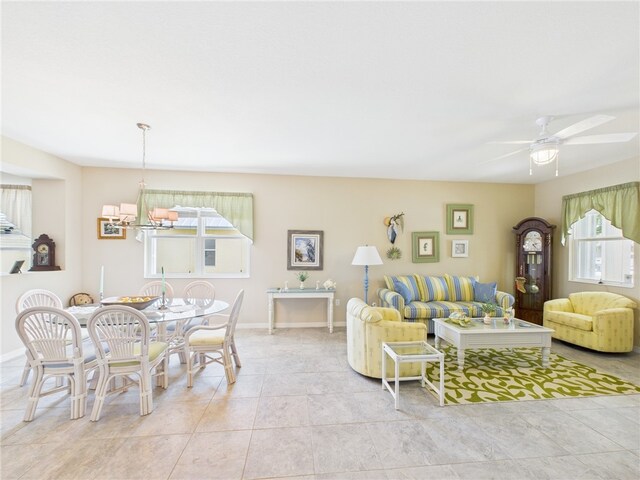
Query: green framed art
(425, 247)
(459, 219)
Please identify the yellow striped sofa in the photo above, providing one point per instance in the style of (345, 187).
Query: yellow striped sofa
(367, 328)
(421, 298)
(600, 321)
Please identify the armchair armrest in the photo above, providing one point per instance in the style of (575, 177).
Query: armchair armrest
(558, 305)
(612, 319)
(389, 314)
(389, 298)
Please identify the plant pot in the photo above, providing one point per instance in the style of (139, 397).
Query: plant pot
(487, 319)
(301, 285)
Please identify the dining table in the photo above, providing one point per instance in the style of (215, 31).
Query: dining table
(178, 310)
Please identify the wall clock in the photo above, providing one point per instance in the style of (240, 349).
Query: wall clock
(44, 254)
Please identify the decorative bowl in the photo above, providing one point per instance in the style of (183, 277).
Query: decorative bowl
(139, 302)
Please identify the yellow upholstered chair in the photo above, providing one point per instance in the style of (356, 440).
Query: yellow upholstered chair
(368, 327)
(600, 321)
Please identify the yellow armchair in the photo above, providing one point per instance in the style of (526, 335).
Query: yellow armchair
(368, 327)
(600, 321)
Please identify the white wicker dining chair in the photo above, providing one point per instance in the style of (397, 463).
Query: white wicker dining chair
(124, 349)
(154, 288)
(35, 298)
(54, 343)
(201, 294)
(204, 346)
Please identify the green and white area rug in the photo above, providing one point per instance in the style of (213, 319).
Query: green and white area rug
(499, 375)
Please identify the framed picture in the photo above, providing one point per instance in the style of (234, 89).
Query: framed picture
(109, 231)
(459, 248)
(426, 247)
(459, 219)
(17, 266)
(304, 249)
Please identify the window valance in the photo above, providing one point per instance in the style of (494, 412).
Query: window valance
(618, 203)
(235, 207)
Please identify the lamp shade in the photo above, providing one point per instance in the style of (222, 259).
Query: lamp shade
(367, 255)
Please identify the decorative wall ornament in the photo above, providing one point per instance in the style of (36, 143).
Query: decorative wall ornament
(394, 253)
(395, 225)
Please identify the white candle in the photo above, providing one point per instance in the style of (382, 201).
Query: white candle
(164, 291)
(101, 281)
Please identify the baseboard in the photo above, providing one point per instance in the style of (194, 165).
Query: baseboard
(11, 355)
(288, 325)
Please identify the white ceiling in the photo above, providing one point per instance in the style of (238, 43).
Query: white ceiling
(381, 89)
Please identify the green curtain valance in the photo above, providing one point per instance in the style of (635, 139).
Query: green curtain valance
(235, 207)
(618, 203)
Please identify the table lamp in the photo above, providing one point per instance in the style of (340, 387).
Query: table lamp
(366, 255)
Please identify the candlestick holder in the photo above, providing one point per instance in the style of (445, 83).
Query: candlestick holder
(163, 305)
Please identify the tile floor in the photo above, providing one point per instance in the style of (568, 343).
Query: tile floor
(298, 411)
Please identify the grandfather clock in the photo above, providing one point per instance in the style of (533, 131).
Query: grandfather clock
(534, 241)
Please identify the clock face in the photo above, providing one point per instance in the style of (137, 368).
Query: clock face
(532, 242)
(42, 257)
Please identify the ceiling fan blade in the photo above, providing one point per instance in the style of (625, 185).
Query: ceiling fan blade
(513, 142)
(503, 156)
(586, 124)
(606, 138)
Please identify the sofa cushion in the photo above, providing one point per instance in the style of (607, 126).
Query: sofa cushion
(460, 288)
(485, 292)
(570, 319)
(402, 289)
(416, 310)
(408, 281)
(432, 289)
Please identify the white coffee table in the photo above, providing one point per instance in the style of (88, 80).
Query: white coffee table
(407, 352)
(497, 334)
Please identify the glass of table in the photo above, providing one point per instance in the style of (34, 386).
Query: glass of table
(408, 352)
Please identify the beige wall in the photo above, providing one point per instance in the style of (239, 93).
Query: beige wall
(548, 203)
(349, 211)
(56, 188)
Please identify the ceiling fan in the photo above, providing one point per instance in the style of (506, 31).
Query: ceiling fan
(546, 147)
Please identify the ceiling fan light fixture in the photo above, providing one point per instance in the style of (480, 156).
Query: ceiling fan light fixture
(544, 153)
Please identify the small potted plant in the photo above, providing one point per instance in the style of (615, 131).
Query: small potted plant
(302, 276)
(489, 309)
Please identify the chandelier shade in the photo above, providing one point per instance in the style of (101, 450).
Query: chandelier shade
(125, 215)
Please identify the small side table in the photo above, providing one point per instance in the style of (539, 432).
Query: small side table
(407, 352)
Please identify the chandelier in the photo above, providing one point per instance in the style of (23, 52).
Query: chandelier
(125, 215)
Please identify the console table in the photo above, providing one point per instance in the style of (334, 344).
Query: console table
(296, 293)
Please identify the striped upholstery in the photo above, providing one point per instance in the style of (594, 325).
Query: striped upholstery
(433, 309)
(407, 280)
(432, 289)
(460, 288)
(438, 289)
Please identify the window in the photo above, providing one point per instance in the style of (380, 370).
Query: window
(599, 253)
(201, 244)
(15, 226)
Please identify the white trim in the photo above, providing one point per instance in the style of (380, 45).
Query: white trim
(11, 355)
(289, 325)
